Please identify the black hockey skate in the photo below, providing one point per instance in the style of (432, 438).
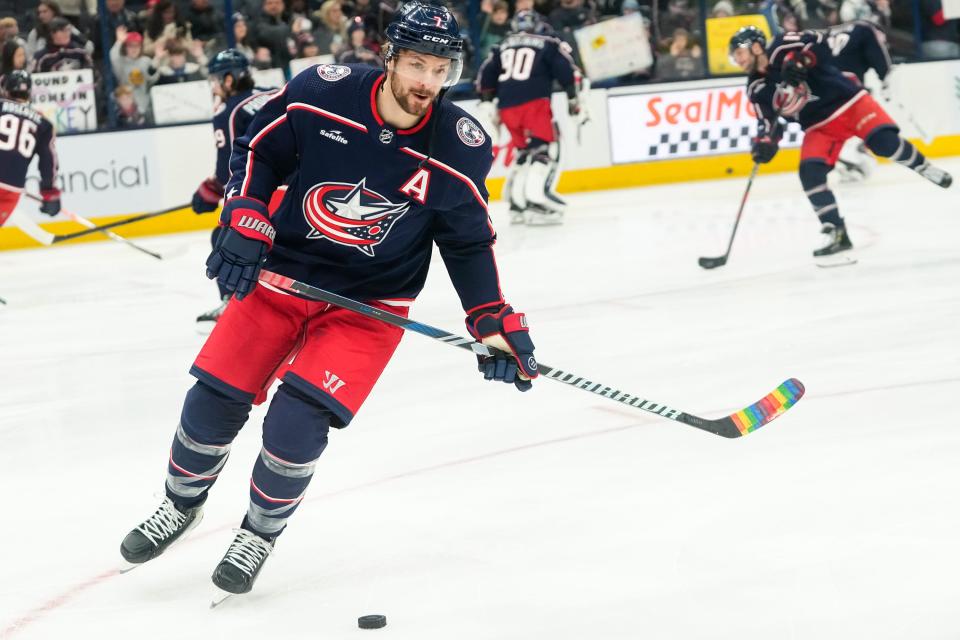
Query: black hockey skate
(517, 214)
(838, 240)
(543, 215)
(214, 314)
(935, 175)
(243, 561)
(154, 535)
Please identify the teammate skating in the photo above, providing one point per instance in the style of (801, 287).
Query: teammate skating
(520, 73)
(858, 47)
(232, 84)
(393, 170)
(25, 133)
(797, 78)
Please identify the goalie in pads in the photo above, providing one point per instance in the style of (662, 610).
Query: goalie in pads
(520, 74)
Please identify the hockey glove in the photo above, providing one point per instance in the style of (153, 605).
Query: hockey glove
(796, 66)
(242, 247)
(764, 149)
(207, 196)
(499, 327)
(51, 201)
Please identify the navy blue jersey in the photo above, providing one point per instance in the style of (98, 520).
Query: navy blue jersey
(231, 120)
(858, 47)
(365, 202)
(524, 68)
(25, 133)
(825, 91)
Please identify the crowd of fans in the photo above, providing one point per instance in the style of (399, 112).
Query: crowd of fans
(167, 41)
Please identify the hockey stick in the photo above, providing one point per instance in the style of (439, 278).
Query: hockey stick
(31, 228)
(733, 426)
(713, 263)
(118, 223)
(110, 234)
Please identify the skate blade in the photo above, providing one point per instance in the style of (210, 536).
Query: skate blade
(829, 262)
(127, 567)
(219, 596)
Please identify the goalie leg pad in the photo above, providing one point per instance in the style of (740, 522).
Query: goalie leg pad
(294, 435)
(813, 177)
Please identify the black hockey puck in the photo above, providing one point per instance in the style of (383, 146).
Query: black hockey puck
(372, 622)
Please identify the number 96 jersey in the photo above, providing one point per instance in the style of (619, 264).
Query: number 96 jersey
(24, 133)
(524, 67)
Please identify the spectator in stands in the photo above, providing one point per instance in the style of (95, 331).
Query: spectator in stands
(682, 61)
(128, 111)
(567, 18)
(164, 23)
(722, 9)
(177, 67)
(368, 11)
(242, 37)
(13, 56)
(815, 14)
(271, 30)
(206, 23)
(131, 67)
(357, 51)
(875, 11)
(63, 52)
(940, 39)
(495, 27)
(10, 30)
(791, 22)
(678, 16)
(330, 26)
(262, 58)
(117, 15)
(306, 47)
(38, 37)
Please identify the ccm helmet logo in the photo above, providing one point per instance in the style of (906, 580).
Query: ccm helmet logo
(436, 39)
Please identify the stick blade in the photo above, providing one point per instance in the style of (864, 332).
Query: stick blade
(747, 420)
(712, 263)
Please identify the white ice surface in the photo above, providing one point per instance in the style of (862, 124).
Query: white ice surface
(462, 509)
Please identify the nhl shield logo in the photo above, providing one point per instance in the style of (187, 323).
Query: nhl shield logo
(470, 134)
(333, 72)
(350, 214)
(386, 136)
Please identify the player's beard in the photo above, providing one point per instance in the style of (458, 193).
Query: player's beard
(405, 99)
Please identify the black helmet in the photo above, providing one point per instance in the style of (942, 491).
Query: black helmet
(426, 28)
(229, 61)
(17, 84)
(745, 37)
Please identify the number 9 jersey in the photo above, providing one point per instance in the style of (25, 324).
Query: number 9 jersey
(23, 134)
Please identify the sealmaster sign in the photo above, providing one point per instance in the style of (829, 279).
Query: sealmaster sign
(683, 124)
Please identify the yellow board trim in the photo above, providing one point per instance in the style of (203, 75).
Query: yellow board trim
(614, 177)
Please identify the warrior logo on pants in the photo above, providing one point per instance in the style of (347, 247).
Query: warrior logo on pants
(350, 214)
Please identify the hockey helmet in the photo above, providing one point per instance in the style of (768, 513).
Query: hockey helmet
(745, 37)
(430, 29)
(527, 21)
(17, 84)
(229, 61)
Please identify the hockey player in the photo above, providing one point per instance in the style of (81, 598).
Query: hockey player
(858, 47)
(796, 78)
(24, 133)
(520, 74)
(239, 101)
(379, 168)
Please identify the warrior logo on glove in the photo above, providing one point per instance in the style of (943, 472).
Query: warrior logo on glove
(350, 214)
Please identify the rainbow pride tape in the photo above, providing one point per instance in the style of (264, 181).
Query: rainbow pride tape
(768, 407)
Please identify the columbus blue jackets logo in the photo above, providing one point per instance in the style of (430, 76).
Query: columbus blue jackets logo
(333, 72)
(789, 101)
(350, 214)
(470, 134)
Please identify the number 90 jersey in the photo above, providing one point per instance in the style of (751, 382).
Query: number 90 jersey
(524, 67)
(24, 133)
